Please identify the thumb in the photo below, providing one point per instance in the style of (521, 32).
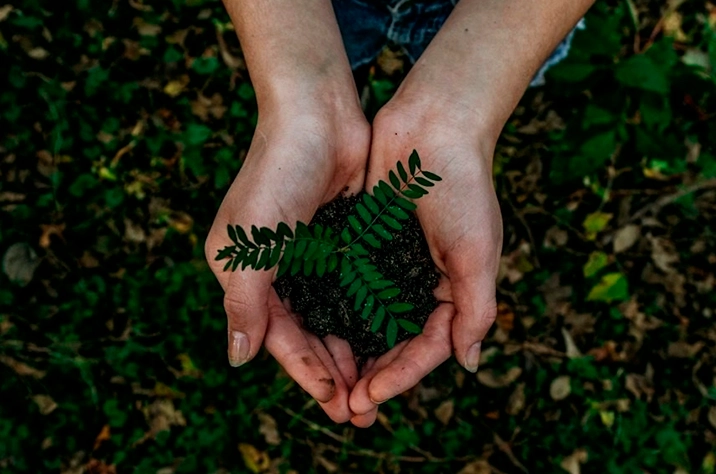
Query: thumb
(246, 305)
(476, 309)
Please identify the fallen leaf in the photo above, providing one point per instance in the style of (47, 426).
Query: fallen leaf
(20, 262)
(48, 231)
(176, 87)
(256, 461)
(625, 237)
(595, 223)
(269, 429)
(95, 466)
(672, 26)
(492, 379)
(204, 106)
(146, 29)
(5, 12)
(38, 53)
(560, 388)
(572, 350)
(133, 232)
(445, 411)
(596, 261)
(505, 319)
(607, 418)
(104, 435)
(476, 467)
(683, 350)
(611, 287)
(516, 402)
(21, 368)
(572, 463)
(45, 403)
(161, 415)
(664, 254)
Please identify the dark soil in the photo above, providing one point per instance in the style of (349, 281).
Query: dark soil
(322, 302)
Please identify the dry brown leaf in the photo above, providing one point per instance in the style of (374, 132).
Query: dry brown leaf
(48, 231)
(231, 61)
(639, 385)
(95, 466)
(133, 232)
(663, 254)
(5, 12)
(516, 402)
(38, 53)
(161, 415)
(491, 379)
(104, 435)
(256, 461)
(505, 319)
(572, 350)
(204, 106)
(572, 463)
(445, 411)
(269, 429)
(625, 237)
(146, 29)
(391, 62)
(560, 388)
(476, 467)
(683, 350)
(45, 403)
(712, 416)
(555, 237)
(21, 368)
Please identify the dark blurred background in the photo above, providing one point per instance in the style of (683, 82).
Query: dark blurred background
(121, 126)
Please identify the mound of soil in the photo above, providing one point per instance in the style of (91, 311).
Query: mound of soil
(323, 304)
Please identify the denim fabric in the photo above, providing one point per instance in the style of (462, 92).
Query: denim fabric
(367, 26)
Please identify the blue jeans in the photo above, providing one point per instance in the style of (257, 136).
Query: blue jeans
(367, 26)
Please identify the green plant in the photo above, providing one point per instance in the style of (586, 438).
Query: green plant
(321, 250)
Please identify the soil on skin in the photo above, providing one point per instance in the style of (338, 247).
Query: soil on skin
(322, 302)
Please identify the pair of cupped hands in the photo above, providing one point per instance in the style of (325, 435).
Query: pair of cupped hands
(305, 153)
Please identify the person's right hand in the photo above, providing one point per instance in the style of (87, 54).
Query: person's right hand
(302, 155)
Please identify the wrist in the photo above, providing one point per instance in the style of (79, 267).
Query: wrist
(446, 114)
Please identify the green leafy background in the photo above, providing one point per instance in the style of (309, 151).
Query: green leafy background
(122, 124)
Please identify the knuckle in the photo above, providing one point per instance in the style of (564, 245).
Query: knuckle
(236, 305)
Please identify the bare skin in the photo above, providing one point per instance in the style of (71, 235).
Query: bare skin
(451, 108)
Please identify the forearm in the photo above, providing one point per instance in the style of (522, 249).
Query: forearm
(293, 48)
(486, 54)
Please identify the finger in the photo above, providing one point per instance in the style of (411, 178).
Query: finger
(443, 292)
(288, 344)
(342, 355)
(420, 357)
(366, 420)
(476, 308)
(246, 305)
(337, 408)
(360, 402)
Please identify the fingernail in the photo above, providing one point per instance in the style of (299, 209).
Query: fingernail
(472, 358)
(378, 402)
(238, 348)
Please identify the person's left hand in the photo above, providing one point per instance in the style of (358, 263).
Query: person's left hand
(462, 223)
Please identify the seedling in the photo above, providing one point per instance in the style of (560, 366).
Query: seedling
(320, 250)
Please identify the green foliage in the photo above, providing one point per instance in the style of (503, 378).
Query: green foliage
(122, 324)
(318, 250)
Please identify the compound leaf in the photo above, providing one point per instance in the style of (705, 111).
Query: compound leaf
(409, 326)
(402, 172)
(391, 333)
(377, 319)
